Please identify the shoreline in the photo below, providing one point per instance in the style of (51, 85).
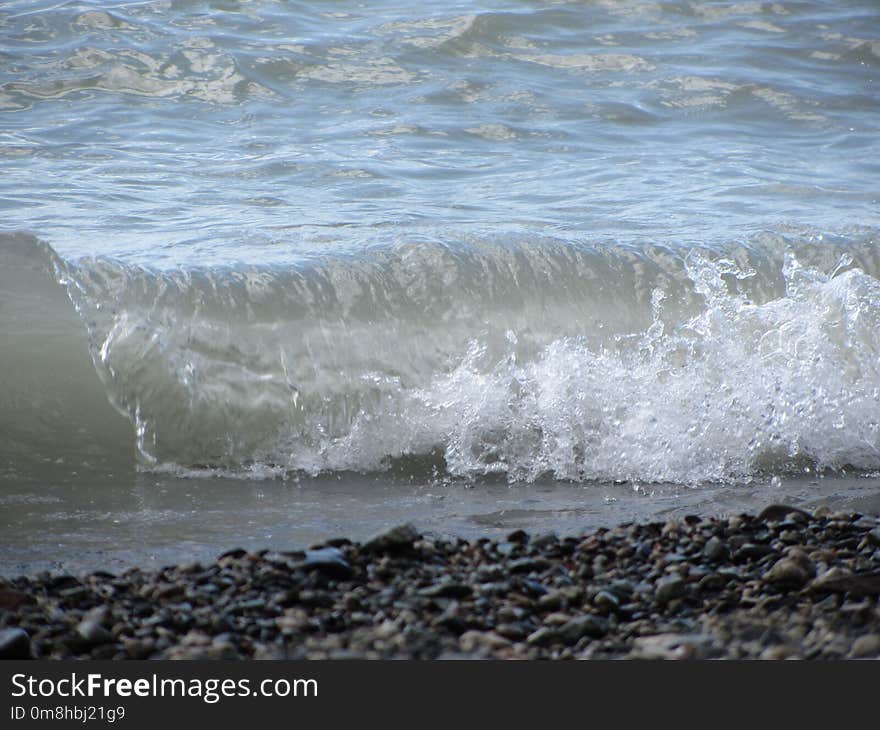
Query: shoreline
(78, 520)
(785, 583)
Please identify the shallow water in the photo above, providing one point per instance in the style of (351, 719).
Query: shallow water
(74, 522)
(527, 251)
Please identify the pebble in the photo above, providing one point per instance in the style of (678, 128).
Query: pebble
(671, 646)
(865, 646)
(843, 580)
(471, 641)
(92, 633)
(329, 561)
(715, 550)
(668, 589)
(777, 585)
(396, 539)
(589, 625)
(606, 602)
(544, 636)
(779, 512)
(14, 644)
(786, 573)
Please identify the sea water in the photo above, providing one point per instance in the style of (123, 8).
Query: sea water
(518, 257)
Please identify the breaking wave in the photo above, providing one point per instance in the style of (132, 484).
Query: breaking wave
(517, 358)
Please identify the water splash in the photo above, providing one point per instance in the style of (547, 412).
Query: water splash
(630, 366)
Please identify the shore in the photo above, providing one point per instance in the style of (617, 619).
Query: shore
(784, 583)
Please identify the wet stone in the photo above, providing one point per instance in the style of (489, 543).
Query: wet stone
(841, 580)
(11, 599)
(328, 561)
(589, 625)
(865, 646)
(544, 636)
(606, 601)
(92, 633)
(611, 594)
(779, 512)
(786, 573)
(14, 644)
(446, 589)
(715, 550)
(668, 589)
(752, 552)
(396, 539)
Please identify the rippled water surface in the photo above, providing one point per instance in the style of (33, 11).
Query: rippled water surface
(173, 132)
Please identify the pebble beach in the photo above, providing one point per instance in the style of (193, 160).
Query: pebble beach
(435, 279)
(781, 584)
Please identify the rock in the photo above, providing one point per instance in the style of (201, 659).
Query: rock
(544, 541)
(471, 641)
(671, 646)
(544, 636)
(788, 573)
(138, 648)
(12, 599)
(165, 591)
(606, 602)
(487, 573)
(387, 629)
(865, 646)
(842, 580)
(556, 619)
(532, 588)
(210, 652)
(446, 589)
(523, 565)
(234, 554)
(15, 644)
(328, 561)
(518, 536)
(552, 601)
(621, 589)
(515, 631)
(91, 633)
(255, 604)
(778, 512)
(452, 618)
(397, 539)
(588, 625)
(711, 582)
(873, 537)
(99, 614)
(715, 550)
(775, 653)
(751, 551)
(668, 589)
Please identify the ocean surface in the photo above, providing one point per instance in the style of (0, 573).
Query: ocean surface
(271, 270)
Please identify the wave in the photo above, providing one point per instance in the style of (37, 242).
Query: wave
(518, 358)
